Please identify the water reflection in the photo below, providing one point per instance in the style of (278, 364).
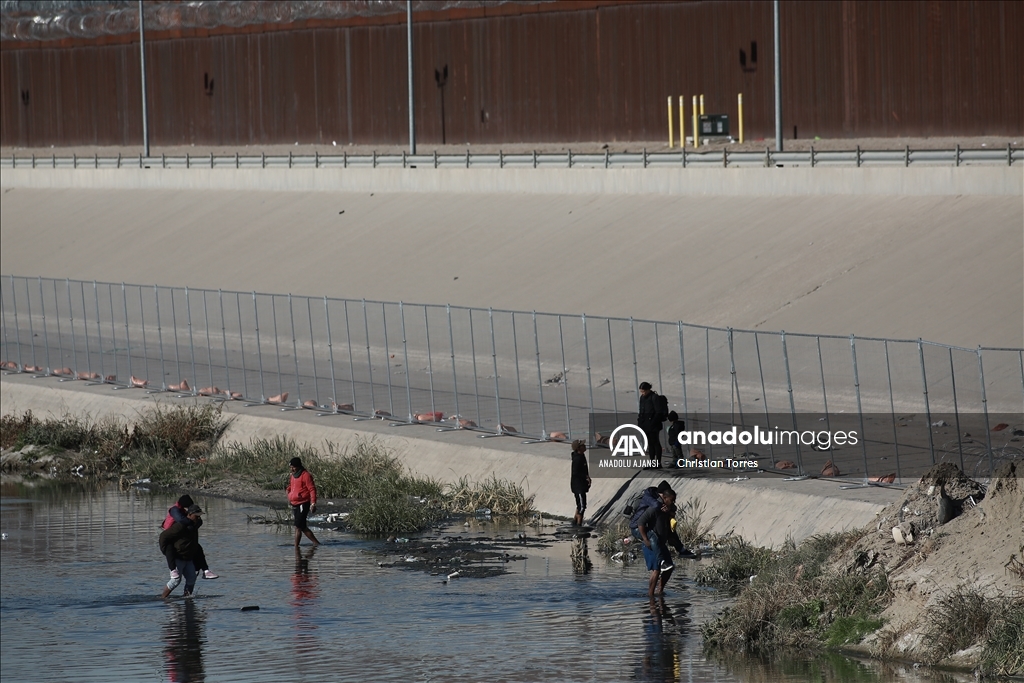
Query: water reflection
(664, 632)
(79, 570)
(305, 597)
(183, 643)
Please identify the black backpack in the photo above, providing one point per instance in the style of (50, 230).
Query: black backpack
(661, 403)
(639, 503)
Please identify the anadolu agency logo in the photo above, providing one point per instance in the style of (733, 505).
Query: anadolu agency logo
(628, 444)
(625, 442)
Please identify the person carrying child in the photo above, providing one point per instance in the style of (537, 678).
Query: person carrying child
(179, 513)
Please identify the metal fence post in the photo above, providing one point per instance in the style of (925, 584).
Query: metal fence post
(295, 354)
(764, 395)
(984, 404)
(632, 341)
(17, 327)
(590, 380)
(956, 410)
(224, 341)
(565, 379)
(145, 347)
(707, 360)
(351, 362)
(99, 332)
(46, 340)
(209, 344)
(259, 347)
(472, 350)
(277, 345)
(455, 374)
(241, 345)
(387, 356)
(892, 412)
(657, 355)
(540, 381)
(732, 371)
(611, 364)
(127, 340)
(430, 362)
(824, 392)
(3, 316)
(494, 358)
(312, 353)
(56, 317)
(191, 342)
(860, 409)
(369, 359)
(330, 358)
(159, 333)
(31, 325)
(1020, 361)
(927, 406)
(405, 349)
(519, 381)
(682, 358)
(85, 328)
(71, 324)
(174, 329)
(792, 403)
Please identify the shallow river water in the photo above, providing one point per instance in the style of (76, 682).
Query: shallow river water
(80, 573)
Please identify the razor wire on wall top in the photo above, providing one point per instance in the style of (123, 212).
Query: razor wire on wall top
(538, 376)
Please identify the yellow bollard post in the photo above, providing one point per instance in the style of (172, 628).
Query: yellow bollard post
(682, 122)
(696, 132)
(670, 122)
(739, 102)
(702, 105)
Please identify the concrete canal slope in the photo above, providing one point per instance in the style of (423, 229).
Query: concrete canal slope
(764, 509)
(924, 252)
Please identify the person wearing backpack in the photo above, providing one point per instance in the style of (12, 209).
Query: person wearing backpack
(651, 524)
(652, 412)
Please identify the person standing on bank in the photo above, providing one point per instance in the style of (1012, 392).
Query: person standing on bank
(652, 413)
(302, 496)
(579, 481)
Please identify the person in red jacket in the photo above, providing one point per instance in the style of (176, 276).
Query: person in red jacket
(302, 496)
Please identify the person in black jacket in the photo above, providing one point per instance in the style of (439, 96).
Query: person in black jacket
(185, 541)
(649, 418)
(579, 482)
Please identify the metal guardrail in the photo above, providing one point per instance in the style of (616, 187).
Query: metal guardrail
(682, 159)
(531, 375)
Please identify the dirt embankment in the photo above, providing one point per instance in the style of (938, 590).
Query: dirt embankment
(928, 558)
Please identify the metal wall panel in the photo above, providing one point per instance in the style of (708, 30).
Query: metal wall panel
(851, 68)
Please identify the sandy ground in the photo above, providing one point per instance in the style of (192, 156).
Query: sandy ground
(974, 549)
(948, 269)
(661, 145)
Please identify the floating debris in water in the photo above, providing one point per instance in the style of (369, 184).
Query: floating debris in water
(251, 608)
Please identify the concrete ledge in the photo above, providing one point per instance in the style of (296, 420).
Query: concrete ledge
(748, 182)
(765, 510)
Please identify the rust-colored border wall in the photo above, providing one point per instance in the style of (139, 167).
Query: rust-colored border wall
(602, 72)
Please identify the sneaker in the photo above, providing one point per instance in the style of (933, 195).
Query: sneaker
(175, 574)
(667, 566)
(210, 575)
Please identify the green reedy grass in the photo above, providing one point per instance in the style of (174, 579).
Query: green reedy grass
(794, 598)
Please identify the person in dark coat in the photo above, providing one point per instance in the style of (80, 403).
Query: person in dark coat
(579, 482)
(185, 541)
(649, 419)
